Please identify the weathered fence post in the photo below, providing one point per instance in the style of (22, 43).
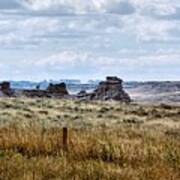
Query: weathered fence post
(34, 175)
(65, 138)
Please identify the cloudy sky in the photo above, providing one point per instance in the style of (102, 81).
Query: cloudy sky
(54, 39)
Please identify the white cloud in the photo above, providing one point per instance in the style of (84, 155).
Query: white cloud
(73, 58)
(157, 7)
(81, 6)
(148, 28)
(142, 21)
(104, 34)
(65, 59)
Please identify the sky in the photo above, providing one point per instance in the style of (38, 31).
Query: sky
(89, 39)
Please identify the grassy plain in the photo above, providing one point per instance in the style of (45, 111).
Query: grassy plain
(107, 140)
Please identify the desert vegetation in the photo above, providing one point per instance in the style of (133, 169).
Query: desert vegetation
(107, 140)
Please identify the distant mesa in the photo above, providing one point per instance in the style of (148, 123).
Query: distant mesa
(111, 89)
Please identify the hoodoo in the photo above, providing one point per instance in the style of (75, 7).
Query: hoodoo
(111, 89)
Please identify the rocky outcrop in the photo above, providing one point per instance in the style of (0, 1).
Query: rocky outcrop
(53, 91)
(111, 89)
(82, 94)
(5, 88)
(57, 88)
(35, 93)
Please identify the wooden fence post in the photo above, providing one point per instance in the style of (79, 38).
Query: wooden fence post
(65, 138)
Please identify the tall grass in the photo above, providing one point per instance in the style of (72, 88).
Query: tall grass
(31, 148)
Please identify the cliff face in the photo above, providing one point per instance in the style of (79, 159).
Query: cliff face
(111, 89)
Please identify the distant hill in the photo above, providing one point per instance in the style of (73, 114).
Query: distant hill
(74, 86)
(42, 84)
(160, 91)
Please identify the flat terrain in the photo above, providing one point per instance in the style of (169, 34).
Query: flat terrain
(161, 92)
(107, 140)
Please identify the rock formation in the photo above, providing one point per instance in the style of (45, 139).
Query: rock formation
(81, 94)
(111, 89)
(53, 91)
(57, 88)
(34, 93)
(5, 88)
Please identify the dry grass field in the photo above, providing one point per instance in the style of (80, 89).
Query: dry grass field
(107, 140)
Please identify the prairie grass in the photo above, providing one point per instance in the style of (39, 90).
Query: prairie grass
(107, 140)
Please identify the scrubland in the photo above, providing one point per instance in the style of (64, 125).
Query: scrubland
(107, 140)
